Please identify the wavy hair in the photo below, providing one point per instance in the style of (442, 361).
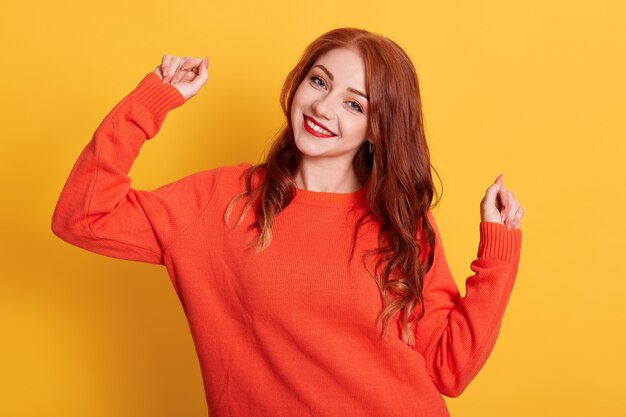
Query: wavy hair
(397, 175)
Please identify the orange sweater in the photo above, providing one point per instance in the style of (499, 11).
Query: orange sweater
(290, 331)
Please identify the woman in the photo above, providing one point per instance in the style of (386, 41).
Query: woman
(314, 283)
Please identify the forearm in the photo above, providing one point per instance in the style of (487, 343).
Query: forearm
(460, 332)
(98, 184)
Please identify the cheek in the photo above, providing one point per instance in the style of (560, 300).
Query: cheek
(364, 128)
(300, 94)
(296, 104)
(357, 128)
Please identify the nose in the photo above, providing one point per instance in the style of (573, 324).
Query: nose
(324, 107)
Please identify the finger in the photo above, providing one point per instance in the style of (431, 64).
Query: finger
(172, 68)
(193, 64)
(491, 194)
(188, 70)
(510, 212)
(188, 74)
(184, 76)
(165, 64)
(180, 72)
(203, 75)
(506, 198)
(518, 218)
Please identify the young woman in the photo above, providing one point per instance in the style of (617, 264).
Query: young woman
(315, 283)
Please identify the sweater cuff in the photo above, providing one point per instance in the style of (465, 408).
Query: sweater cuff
(157, 97)
(497, 242)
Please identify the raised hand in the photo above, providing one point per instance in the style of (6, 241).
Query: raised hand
(499, 206)
(187, 74)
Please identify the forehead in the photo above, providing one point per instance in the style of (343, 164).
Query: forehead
(345, 65)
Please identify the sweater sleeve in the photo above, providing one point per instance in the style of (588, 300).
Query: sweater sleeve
(457, 334)
(100, 212)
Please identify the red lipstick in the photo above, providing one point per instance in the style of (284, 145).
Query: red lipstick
(313, 132)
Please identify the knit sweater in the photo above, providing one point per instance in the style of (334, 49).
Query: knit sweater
(291, 330)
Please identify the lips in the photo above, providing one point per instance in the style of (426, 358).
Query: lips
(317, 129)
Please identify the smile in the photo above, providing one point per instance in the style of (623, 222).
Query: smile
(317, 129)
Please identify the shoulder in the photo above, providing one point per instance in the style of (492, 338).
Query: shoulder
(225, 181)
(205, 182)
(222, 174)
(232, 173)
(232, 178)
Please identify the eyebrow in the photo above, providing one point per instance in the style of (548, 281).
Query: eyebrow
(352, 90)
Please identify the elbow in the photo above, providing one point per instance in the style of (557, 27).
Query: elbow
(61, 228)
(453, 369)
(66, 227)
(58, 225)
(452, 381)
(72, 232)
(452, 388)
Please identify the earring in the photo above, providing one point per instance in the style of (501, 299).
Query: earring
(371, 147)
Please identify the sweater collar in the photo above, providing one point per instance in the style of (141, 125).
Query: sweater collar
(320, 198)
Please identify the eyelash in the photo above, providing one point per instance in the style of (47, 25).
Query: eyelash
(319, 82)
(314, 80)
(357, 108)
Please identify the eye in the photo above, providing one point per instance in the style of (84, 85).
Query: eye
(317, 81)
(355, 106)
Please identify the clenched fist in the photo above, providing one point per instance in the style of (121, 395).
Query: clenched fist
(187, 74)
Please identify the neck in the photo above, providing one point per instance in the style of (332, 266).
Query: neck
(326, 176)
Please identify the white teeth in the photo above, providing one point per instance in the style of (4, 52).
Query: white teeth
(318, 129)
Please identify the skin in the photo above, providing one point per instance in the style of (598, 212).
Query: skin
(187, 74)
(329, 107)
(327, 96)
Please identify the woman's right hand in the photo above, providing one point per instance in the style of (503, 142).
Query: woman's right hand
(187, 74)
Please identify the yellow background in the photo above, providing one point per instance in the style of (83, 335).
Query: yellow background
(534, 89)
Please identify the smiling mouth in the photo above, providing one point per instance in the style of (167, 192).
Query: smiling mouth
(317, 129)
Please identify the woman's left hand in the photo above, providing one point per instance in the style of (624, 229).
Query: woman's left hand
(499, 206)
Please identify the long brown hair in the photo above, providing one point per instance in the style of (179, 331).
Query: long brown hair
(397, 175)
